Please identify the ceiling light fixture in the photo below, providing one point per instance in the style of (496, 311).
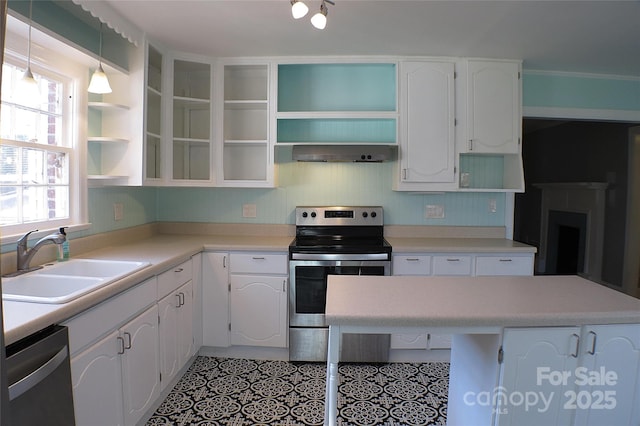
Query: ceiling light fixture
(298, 9)
(319, 20)
(28, 84)
(99, 82)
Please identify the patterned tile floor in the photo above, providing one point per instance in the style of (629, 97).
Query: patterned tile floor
(238, 392)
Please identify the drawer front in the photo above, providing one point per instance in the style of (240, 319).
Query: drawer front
(173, 278)
(411, 265)
(259, 263)
(90, 325)
(504, 265)
(451, 265)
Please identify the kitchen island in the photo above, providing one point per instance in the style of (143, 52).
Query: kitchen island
(571, 326)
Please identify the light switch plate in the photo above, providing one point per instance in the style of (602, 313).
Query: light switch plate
(118, 211)
(435, 211)
(249, 210)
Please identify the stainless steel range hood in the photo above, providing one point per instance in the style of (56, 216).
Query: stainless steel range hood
(345, 153)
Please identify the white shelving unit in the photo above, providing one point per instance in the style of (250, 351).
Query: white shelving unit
(153, 172)
(245, 156)
(191, 150)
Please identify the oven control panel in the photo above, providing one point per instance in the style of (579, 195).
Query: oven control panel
(339, 216)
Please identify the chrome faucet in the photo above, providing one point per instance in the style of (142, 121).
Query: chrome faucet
(25, 255)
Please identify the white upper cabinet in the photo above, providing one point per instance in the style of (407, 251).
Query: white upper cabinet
(493, 107)
(427, 125)
(190, 153)
(153, 154)
(244, 152)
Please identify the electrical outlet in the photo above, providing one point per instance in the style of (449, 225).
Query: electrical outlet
(492, 205)
(435, 211)
(249, 210)
(464, 180)
(118, 211)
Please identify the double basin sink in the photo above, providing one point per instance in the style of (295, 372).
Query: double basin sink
(65, 281)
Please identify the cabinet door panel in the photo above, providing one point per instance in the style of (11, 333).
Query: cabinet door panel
(258, 311)
(185, 324)
(140, 364)
(215, 299)
(494, 107)
(610, 349)
(525, 350)
(97, 384)
(168, 334)
(428, 113)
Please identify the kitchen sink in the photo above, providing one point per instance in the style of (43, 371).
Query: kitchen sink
(93, 268)
(66, 281)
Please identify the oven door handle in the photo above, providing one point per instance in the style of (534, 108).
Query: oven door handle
(342, 256)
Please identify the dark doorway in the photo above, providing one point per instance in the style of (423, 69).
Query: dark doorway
(566, 242)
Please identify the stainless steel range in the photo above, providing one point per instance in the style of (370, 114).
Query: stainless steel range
(333, 241)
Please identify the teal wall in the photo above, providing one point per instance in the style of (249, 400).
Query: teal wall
(76, 25)
(326, 184)
(563, 90)
(340, 183)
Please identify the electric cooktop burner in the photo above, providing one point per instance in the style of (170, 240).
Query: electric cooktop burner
(340, 230)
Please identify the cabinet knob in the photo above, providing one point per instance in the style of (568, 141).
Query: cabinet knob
(178, 270)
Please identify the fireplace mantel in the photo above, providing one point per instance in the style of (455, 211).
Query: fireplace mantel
(576, 197)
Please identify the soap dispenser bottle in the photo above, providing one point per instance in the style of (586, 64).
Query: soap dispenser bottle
(63, 249)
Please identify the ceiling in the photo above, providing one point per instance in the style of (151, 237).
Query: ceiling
(579, 36)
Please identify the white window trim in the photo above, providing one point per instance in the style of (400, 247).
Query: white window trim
(50, 56)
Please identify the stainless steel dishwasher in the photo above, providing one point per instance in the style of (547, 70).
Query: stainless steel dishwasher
(39, 377)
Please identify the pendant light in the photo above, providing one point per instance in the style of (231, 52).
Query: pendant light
(28, 84)
(99, 82)
(298, 9)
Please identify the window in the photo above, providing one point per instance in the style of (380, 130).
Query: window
(39, 170)
(34, 174)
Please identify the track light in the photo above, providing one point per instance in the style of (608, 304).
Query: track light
(298, 9)
(319, 20)
(99, 82)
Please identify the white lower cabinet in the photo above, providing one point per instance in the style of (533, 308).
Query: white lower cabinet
(124, 350)
(97, 384)
(116, 380)
(586, 375)
(494, 265)
(175, 304)
(245, 299)
(140, 364)
(610, 353)
(215, 299)
(176, 331)
(453, 264)
(258, 307)
(258, 299)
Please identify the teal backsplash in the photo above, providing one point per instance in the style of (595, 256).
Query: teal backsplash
(326, 184)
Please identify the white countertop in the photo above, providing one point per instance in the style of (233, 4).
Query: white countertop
(458, 245)
(162, 252)
(531, 301)
(166, 250)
